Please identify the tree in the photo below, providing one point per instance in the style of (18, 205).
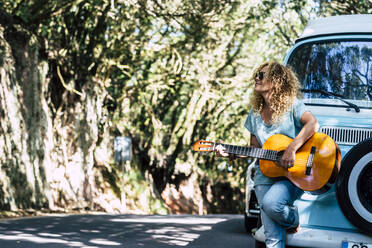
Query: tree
(165, 73)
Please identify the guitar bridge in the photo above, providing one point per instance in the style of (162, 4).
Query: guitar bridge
(310, 160)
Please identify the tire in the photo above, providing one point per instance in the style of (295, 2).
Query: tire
(250, 222)
(354, 186)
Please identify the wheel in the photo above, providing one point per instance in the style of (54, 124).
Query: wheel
(250, 222)
(354, 186)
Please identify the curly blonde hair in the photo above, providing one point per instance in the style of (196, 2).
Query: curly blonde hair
(286, 88)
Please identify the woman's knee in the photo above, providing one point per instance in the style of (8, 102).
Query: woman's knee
(272, 207)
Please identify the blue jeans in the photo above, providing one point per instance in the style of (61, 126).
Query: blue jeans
(277, 210)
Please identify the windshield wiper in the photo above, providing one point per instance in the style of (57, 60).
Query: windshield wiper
(337, 96)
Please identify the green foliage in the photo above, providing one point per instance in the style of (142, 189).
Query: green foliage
(174, 72)
(189, 79)
(345, 7)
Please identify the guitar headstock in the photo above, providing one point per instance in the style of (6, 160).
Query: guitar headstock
(203, 146)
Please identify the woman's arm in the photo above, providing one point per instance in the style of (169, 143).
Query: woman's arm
(310, 126)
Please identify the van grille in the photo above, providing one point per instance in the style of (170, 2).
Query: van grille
(347, 135)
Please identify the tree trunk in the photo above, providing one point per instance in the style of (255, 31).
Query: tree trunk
(47, 152)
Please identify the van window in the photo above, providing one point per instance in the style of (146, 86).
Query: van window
(341, 67)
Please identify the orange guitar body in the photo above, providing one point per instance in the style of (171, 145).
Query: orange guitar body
(324, 167)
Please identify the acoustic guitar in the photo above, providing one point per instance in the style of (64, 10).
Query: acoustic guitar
(316, 164)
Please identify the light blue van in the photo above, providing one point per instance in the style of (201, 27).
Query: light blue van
(333, 60)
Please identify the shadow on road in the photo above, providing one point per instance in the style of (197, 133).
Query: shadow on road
(96, 231)
(228, 233)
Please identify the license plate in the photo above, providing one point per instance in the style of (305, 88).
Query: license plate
(350, 244)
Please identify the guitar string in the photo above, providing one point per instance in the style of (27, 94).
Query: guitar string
(271, 155)
(259, 152)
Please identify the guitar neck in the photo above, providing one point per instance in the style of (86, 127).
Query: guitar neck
(251, 152)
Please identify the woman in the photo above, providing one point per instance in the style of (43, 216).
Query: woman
(276, 109)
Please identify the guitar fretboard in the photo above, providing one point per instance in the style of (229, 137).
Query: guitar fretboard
(251, 152)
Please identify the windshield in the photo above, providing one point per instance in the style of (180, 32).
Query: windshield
(340, 67)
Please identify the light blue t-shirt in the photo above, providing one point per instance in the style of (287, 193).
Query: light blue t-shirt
(290, 125)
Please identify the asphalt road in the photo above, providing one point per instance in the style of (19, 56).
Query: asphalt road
(101, 230)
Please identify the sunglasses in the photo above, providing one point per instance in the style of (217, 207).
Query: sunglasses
(260, 75)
